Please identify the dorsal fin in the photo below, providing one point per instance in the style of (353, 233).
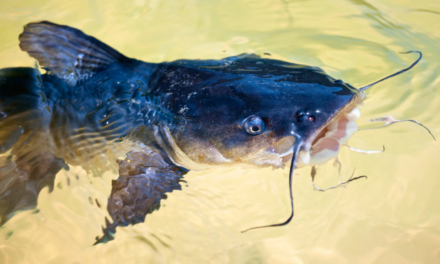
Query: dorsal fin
(67, 52)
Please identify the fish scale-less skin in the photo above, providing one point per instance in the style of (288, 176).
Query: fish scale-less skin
(107, 107)
(164, 119)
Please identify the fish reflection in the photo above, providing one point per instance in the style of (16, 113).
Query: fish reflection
(95, 105)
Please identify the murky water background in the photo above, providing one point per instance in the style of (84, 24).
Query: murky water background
(393, 217)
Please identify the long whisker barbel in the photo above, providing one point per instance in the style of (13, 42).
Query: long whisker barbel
(292, 168)
(397, 73)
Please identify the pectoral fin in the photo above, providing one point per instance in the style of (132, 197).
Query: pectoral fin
(144, 178)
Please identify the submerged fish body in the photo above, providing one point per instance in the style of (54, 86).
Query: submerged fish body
(157, 121)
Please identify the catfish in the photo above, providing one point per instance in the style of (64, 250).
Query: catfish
(155, 122)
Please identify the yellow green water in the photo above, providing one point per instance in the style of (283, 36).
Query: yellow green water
(393, 217)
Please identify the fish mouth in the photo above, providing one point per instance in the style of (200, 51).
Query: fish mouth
(325, 143)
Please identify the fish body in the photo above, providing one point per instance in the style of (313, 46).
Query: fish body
(157, 121)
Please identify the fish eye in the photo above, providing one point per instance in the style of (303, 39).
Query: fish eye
(254, 125)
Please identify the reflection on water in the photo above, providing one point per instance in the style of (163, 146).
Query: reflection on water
(393, 217)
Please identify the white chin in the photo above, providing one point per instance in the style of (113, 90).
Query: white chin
(327, 146)
(323, 148)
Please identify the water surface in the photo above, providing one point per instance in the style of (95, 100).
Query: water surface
(393, 217)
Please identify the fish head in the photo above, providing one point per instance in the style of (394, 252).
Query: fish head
(253, 110)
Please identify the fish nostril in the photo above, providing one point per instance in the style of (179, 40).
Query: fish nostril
(300, 116)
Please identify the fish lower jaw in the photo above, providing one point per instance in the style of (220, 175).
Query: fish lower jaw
(326, 145)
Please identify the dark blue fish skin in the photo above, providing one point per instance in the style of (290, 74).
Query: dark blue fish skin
(94, 98)
(118, 99)
(109, 104)
(215, 96)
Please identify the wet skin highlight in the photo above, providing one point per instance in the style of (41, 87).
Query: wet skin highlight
(165, 119)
